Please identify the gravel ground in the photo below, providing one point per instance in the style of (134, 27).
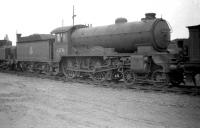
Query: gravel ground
(27, 102)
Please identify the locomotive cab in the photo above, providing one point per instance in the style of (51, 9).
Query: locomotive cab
(63, 43)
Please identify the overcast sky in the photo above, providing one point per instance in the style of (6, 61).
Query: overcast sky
(41, 16)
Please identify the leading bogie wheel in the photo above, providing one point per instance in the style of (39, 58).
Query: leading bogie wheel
(116, 75)
(129, 78)
(159, 77)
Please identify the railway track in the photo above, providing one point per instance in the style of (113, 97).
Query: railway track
(145, 87)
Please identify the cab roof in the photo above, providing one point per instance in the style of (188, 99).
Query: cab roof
(66, 28)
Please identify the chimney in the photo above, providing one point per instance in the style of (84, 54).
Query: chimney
(150, 16)
(18, 37)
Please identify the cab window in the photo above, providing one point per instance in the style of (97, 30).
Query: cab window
(64, 37)
(59, 37)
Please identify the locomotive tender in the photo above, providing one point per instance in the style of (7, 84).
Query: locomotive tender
(130, 51)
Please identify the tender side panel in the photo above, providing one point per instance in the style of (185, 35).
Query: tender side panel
(34, 51)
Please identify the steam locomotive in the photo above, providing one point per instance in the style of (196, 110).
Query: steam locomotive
(128, 51)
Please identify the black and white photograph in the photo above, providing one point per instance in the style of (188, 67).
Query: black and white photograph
(100, 64)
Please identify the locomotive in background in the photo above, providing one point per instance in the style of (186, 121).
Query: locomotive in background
(187, 59)
(7, 54)
(132, 51)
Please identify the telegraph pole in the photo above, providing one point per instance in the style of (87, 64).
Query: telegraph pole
(73, 15)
